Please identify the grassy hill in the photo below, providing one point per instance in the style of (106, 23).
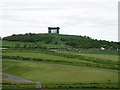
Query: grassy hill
(61, 70)
(56, 41)
(60, 61)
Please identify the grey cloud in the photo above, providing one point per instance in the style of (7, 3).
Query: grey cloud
(96, 21)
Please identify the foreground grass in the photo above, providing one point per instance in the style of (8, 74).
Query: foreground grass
(61, 86)
(59, 76)
(13, 85)
(44, 72)
(60, 70)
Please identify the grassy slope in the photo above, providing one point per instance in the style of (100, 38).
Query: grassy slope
(109, 57)
(49, 72)
(61, 41)
(7, 44)
(40, 56)
(54, 43)
(44, 72)
(58, 73)
(53, 58)
(13, 44)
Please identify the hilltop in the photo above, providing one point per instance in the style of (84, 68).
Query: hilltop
(57, 41)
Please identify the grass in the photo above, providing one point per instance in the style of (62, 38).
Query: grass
(10, 44)
(107, 57)
(43, 72)
(0, 43)
(13, 44)
(4, 77)
(75, 60)
(14, 86)
(68, 67)
(61, 70)
(62, 86)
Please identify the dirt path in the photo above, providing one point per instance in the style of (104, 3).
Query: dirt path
(10, 77)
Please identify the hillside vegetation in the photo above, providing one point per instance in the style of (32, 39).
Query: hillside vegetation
(58, 41)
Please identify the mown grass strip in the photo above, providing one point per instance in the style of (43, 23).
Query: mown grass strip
(80, 63)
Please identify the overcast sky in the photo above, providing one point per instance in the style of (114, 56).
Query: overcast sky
(94, 18)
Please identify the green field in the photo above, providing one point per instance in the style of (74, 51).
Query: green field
(107, 57)
(62, 69)
(38, 71)
(62, 58)
(10, 44)
(59, 61)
